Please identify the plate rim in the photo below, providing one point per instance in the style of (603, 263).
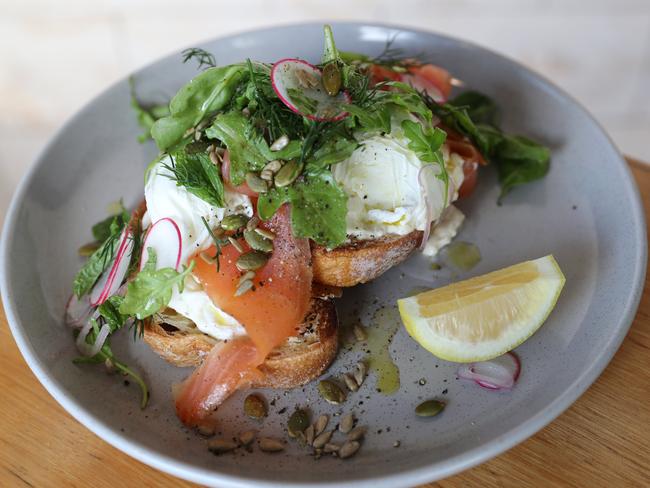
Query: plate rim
(424, 474)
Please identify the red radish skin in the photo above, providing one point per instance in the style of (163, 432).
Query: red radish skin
(105, 287)
(279, 88)
(156, 232)
(244, 189)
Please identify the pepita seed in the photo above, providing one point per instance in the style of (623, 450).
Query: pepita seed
(349, 449)
(288, 173)
(257, 241)
(309, 435)
(268, 444)
(265, 233)
(328, 448)
(332, 79)
(331, 392)
(397, 444)
(321, 424)
(273, 166)
(235, 244)
(322, 439)
(234, 222)
(346, 423)
(430, 408)
(247, 437)
(350, 382)
(360, 373)
(220, 446)
(243, 287)
(255, 407)
(253, 223)
(360, 333)
(298, 422)
(255, 183)
(88, 249)
(280, 143)
(248, 275)
(357, 433)
(267, 175)
(252, 260)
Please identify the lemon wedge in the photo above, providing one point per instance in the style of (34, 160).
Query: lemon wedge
(486, 316)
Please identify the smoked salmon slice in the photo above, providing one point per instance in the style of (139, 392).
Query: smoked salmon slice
(271, 312)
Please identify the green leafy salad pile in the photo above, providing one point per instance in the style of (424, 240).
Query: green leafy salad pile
(236, 108)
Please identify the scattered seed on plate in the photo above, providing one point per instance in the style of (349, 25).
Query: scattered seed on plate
(397, 444)
(280, 143)
(309, 435)
(235, 244)
(350, 382)
(265, 233)
(321, 424)
(331, 392)
(360, 372)
(243, 287)
(348, 449)
(247, 437)
(255, 407)
(429, 408)
(357, 433)
(360, 333)
(205, 430)
(298, 422)
(273, 166)
(346, 423)
(248, 275)
(268, 444)
(220, 446)
(253, 223)
(322, 439)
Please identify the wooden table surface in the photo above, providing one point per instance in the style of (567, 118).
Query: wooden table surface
(602, 440)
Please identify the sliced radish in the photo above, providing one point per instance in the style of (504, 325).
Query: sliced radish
(495, 374)
(78, 311)
(290, 74)
(111, 279)
(89, 350)
(164, 237)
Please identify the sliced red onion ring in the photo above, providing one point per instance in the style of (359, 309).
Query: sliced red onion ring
(78, 311)
(495, 374)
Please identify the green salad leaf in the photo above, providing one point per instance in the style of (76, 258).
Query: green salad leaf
(146, 116)
(152, 288)
(518, 160)
(332, 152)
(102, 257)
(110, 312)
(206, 93)
(195, 172)
(247, 148)
(318, 208)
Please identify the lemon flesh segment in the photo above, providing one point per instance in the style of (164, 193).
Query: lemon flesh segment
(486, 316)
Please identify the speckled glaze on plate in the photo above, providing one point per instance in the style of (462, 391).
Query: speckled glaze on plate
(586, 212)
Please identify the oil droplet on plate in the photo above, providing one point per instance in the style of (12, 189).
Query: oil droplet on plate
(463, 255)
(381, 331)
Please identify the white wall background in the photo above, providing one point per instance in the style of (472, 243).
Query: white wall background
(57, 54)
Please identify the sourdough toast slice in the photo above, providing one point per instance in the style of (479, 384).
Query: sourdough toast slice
(299, 360)
(362, 260)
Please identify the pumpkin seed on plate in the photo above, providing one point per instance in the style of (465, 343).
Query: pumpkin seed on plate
(255, 183)
(298, 422)
(332, 79)
(234, 222)
(288, 173)
(252, 260)
(430, 408)
(331, 392)
(258, 242)
(255, 407)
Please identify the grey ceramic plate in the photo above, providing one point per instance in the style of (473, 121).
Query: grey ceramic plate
(586, 212)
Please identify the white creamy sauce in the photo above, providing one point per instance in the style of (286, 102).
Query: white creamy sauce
(443, 231)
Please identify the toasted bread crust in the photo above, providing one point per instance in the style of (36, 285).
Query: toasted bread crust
(298, 361)
(361, 261)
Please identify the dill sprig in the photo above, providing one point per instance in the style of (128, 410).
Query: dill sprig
(217, 242)
(201, 56)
